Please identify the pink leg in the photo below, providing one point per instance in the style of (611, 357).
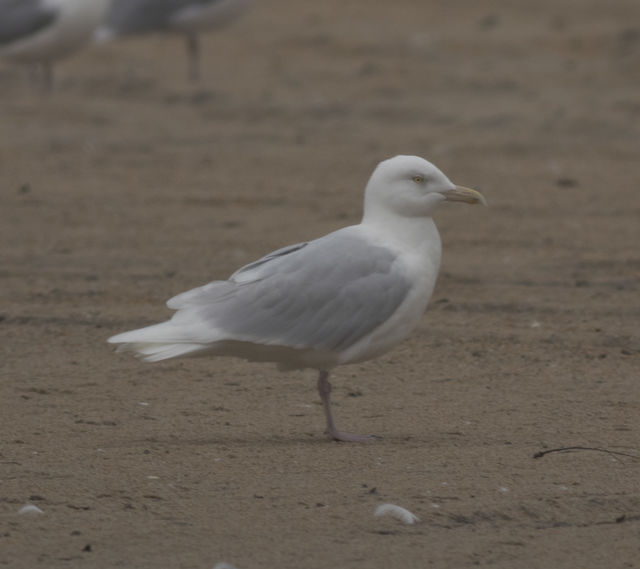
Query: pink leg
(324, 389)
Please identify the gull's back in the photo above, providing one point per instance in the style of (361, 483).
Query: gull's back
(322, 296)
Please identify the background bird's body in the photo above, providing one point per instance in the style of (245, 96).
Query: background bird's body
(186, 17)
(130, 17)
(343, 298)
(47, 30)
(44, 31)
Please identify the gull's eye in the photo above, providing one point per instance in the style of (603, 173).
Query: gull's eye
(418, 179)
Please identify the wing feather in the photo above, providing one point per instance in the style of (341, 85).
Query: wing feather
(322, 295)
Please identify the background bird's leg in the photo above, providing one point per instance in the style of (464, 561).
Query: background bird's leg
(193, 56)
(324, 389)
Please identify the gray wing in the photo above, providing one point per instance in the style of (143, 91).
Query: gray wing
(217, 291)
(128, 17)
(325, 295)
(21, 18)
(252, 271)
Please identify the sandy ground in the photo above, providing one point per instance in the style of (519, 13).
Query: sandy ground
(129, 185)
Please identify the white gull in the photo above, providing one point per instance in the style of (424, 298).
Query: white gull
(343, 298)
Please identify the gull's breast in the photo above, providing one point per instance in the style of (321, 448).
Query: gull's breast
(421, 268)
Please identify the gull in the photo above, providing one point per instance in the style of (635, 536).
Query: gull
(343, 298)
(188, 17)
(43, 31)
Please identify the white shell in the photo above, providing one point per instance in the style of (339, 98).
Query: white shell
(402, 514)
(30, 509)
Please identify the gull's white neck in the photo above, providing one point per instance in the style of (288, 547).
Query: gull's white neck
(417, 235)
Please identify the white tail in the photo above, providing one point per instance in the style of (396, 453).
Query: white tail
(157, 342)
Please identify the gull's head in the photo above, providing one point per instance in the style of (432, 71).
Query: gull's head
(411, 186)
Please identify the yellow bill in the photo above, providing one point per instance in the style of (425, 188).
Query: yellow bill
(466, 195)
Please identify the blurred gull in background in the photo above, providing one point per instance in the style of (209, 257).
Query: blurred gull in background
(187, 17)
(43, 31)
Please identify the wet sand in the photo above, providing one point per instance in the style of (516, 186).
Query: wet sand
(128, 185)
